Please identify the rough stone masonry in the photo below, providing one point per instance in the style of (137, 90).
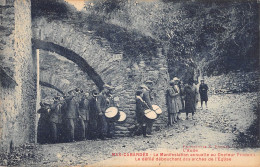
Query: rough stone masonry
(122, 69)
(18, 88)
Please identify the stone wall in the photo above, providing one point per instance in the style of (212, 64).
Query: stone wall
(125, 70)
(18, 88)
(63, 74)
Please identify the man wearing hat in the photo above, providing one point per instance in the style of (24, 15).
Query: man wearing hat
(146, 88)
(70, 115)
(43, 129)
(83, 116)
(56, 120)
(105, 128)
(110, 103)
(203, 90)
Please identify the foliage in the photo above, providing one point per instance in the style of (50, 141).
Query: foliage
(219, 36)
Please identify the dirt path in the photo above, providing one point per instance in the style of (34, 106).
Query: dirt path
(228, 115)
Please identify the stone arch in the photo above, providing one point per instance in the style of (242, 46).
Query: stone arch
(46, 84)
(70, 55)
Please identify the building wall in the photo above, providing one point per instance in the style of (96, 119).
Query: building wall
(17, 108)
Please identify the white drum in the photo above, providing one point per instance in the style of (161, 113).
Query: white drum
(111, 112)
(150, 114)
(157, 109)
(122, 117)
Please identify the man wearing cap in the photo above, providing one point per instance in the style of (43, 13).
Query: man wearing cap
(83, 116)
(55, 120)
(140, 108)
(110, 103)
(147, 87)
(70, 115)
(102, 105)
(203, 90)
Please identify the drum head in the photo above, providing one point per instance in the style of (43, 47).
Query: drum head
(122, 116)
(111, 112)
(150, 114)
(157, 109)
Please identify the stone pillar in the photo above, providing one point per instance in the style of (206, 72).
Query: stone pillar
(17, 109)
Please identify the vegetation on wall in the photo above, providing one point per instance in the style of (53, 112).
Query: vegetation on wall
(215, 36)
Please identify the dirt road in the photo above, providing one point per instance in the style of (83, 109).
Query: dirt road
(228, 116)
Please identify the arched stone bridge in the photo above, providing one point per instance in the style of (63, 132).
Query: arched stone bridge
(96, 55)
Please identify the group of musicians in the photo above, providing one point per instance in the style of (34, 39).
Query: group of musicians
(80, 116)
(76, 116)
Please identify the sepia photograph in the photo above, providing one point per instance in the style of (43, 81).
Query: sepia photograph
(129, 83)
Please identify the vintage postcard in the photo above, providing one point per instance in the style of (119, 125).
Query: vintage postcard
(129, 83)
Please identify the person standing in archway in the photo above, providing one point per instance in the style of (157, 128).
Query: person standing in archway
(102, 105)
(83, 116)
(43, 129)
(110, 103)
(56, 120)
(93, 116)
(71, 113)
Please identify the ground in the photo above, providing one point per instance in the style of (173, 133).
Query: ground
(228, 116)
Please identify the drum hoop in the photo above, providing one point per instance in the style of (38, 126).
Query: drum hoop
(111, 111)
(120, 115)
(149, 112)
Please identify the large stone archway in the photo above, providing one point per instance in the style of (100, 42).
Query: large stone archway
(125, 70)
(70, 55)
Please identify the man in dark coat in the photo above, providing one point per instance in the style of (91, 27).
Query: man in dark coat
(55, 120)
(190, 97)
(93, 115)
(141, 106)
(71, 113)
(147, 98)
(83, 116)
(102, 105)
(203, 90)
(43, 129)
(110, 103)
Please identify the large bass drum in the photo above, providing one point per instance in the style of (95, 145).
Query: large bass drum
(112, 113)
(122, 117)
(157, 109)
(150, 115)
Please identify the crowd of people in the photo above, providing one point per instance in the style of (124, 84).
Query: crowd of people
(76, 116)
(80, 116)
(184, 98)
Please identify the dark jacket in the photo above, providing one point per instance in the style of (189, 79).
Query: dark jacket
(191, 94)
(147, 98)
(72, 110)
(140, 107)
(203, 90)
(102, 104)
(111, 102)
(83, 109)
(55, 113)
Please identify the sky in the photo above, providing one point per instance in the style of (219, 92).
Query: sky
(79, 4)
